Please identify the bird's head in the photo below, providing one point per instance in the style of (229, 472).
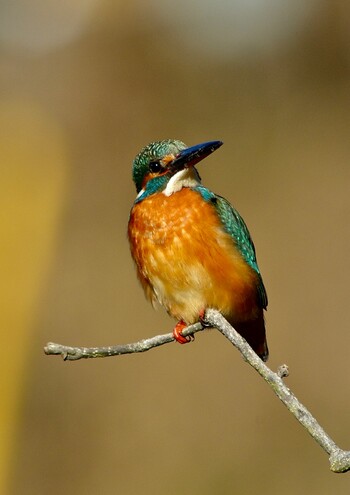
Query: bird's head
(167, 166)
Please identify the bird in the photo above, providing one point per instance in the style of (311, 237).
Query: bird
(191, 247)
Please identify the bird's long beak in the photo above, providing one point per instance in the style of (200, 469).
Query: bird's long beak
(190, 156)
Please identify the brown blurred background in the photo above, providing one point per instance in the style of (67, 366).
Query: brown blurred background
(84, 85)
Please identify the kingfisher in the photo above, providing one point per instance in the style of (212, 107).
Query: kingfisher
(191, 247)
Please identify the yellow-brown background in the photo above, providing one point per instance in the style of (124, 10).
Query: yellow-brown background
(83, 87)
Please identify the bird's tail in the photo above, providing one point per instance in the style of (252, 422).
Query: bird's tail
(253, 331)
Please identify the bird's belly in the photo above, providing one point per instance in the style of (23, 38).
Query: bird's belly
(189, 262)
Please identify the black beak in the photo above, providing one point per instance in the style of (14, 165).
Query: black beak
(190, 156)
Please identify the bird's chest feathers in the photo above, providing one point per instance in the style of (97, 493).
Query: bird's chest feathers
(168, 242)
(183, 252)
(164, 222)
(169, 236)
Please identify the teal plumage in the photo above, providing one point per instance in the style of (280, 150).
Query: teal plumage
(153, 151)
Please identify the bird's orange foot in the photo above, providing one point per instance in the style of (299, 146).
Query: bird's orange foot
(178, 335)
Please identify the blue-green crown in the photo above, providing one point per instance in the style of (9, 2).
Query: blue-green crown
(151, 152)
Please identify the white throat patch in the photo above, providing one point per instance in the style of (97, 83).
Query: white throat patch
(188, 177)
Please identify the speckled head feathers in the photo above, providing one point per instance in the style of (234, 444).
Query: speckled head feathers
(153, 151)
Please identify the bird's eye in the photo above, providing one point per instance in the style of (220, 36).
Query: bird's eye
(155, 167)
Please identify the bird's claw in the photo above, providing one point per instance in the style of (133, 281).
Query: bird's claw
(177, 333)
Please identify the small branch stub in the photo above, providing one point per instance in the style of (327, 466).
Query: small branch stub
(339, 459)
(283, 371)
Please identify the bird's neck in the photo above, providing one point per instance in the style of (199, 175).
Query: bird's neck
(188, 177)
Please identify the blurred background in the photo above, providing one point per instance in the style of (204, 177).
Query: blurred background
(84, 85)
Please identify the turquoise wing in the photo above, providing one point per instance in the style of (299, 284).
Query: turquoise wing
(234, 225)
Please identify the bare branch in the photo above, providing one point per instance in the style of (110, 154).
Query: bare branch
(69, 353)
(339, 459)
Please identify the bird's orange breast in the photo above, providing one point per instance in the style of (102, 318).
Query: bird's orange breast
(187, 261)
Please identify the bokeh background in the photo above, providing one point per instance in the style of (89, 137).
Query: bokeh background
(84, 85)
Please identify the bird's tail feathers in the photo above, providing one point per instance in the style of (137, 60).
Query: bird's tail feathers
(253, 331)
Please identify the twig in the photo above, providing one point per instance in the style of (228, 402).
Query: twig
(69, 353)
(339, 459)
